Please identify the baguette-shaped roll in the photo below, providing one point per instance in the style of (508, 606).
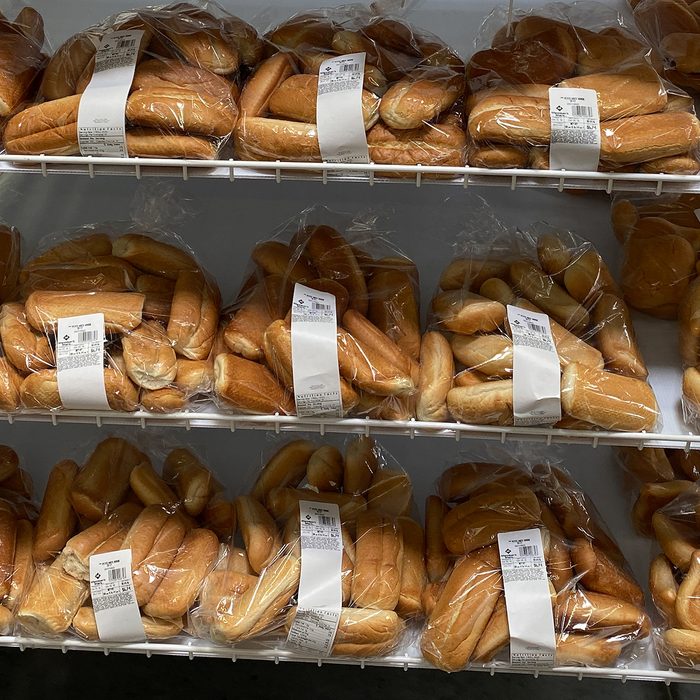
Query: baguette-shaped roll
(8, 535)
(193, 482)
(103, 483)
(57, 520)
(437, 370)
(143, 532)
(688, 596)
(26, 349)
(149, 356)
(601, 574)
(545, 293)
(286, 467)
(471, 478)
(194, 315)
(325, 469)
(491, 355)
(653, 496)
(259, 138)
(152, 256)
(40, 390)
(283, 501)
(361, 463)
(260, 605)
(413, 574)
(156, 143)
(76, 554)
(122, 310)
(650, 464)
(685, 644)
(519, 120)
(194, 376)
(467, 313)
(463, 610)
(179, 587)
(169, 399)
(149, 572)
(376, 580)
(498, 290)
(103, 274)
(88, 247)
(579, 609)
(587, 277)
(570, 347)
(581, 649)
(150, 488)
(52, 601)
(260, 535)
(477, 522)
(558, 561)
(608, 400)
(362, 631)
(497, 156)
(85, 625)
(663, 587)
(615, 337)
(219, 516)
(437, 558)
(678, 540)
(249, 386)
(554, 256)
(275, 258)
(22, 566)
(471, 273)
(496, 634)
(390, 492)
(256, 94)
(10, 383)
(158, 293)
(487, 403)
(393, 309)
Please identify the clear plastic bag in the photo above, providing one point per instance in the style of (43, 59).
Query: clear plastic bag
(377, 309)
(252, 592)
(674, 580)
(413, 87)
(161, 312)
(118, 500)
(597, 606)
(646, 123)
(467, 357)
(183, 97)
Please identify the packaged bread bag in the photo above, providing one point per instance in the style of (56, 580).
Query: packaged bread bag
(329, 558)
(334, 287)
(138, 318)
(529, 327)
(574, 87)
(179, 70)
(401, 85)
(518, 560)
(149, 527)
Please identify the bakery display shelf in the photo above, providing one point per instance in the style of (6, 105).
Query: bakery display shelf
(201, 649)
(350, 172)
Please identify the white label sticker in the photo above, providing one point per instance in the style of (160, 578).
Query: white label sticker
(80, 343)
(101, 118)
(320, 597)
(528, 601)
(315, 353)
(339, 120)
(113, 598)
(536, 373)
(575, 139)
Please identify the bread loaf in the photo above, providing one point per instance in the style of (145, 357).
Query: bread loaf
(436, 376)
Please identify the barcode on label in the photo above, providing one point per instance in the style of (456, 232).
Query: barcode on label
(317, 306)
(347, 67)
(327, 520)
(126, 43)
(581, 111)
(87, 336)
(528, 550)
(116, 574)
(536, 327)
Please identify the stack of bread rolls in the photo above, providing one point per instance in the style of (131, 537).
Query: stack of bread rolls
(172, 524)
(466, 363)
(161, 315)
(652, 283)
(378, 327)
(646, 124)
(673, 27)
(252, 591)
(412, 82)
(597, 606)
(674, 579)
(183, 97)
(21, 59)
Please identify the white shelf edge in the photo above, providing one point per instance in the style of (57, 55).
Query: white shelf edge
(348, 172)
(201, 649)
(367, 426)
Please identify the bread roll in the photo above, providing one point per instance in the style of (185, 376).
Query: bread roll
(491, 355)
(361, 463)
(436, 372)
(487, 403)
(219, 516)
(413, 573)
(283, 501)
(287, 467)
(496, 634)
(390, 493)
(653, 496)
(663, 587)
(497, 156)
(8, 535)
(325, 468)
(554, 256)
(152, 256)
(436, 555)
(587, 277)
(259, 532)
(580, 649)
(85, 625)
(466, 313)
(149, 356)
(10, 383)
(471, 272)
(610, 401)
(650, 464)
(579, 609)
(193, 482)
(150, 488)
(256, 94)
(27, 350)
(57, 520)
(143, 532)
(678, 540)
(684, 643)
(22, 565)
